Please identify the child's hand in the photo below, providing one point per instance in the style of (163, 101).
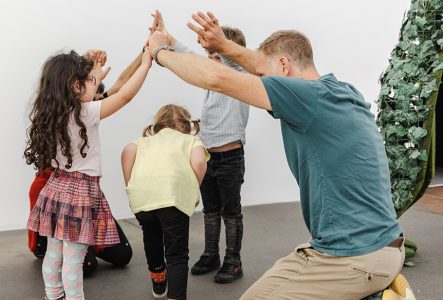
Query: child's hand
(146, 57)
(159, 25)
(97, 55)
(98, 71)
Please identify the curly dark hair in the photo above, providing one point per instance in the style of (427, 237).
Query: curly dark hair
(57, 98)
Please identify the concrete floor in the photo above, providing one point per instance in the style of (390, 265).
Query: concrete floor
(271, 232)
(438, 178)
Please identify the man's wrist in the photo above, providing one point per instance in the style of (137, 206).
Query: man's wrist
(157, 51)
(225, 47)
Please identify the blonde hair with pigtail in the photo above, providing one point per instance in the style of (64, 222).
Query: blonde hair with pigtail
(174, 117)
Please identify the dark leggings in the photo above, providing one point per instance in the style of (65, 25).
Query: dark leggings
(166, 237)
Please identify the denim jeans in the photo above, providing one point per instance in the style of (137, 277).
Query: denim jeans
(166, 236)
(220, 191)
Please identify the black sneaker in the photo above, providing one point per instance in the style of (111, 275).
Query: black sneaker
(206, 264)
(230, 271)
(159, 284)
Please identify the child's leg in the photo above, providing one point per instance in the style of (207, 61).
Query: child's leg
(72, 271)
(119, 255)
(152, 240)
(51, 269)
(90, 263)
(176, 235)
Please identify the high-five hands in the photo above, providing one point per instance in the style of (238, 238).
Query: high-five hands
(159, 25)
(210, 34)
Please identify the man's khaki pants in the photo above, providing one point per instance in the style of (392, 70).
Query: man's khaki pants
(309, 274)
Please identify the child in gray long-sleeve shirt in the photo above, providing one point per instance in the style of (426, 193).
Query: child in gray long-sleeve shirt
(223, 124)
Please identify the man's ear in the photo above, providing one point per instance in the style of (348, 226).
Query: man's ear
(284, 65)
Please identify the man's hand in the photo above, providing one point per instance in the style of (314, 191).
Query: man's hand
(156, 40)
(210, 36)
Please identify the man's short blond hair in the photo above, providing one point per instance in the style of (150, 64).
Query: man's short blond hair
(235, 35)
(292, 43)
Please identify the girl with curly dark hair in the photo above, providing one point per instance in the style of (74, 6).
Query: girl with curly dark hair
(71, 209)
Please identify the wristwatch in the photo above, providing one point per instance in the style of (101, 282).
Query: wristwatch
(156, 51)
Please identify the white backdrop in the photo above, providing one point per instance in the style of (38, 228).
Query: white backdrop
(353, 39)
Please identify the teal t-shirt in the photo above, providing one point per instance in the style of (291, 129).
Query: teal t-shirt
(336, 153)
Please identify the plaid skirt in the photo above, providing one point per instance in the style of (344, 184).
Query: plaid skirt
(72, 207)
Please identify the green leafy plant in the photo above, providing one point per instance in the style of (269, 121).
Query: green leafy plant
(406, 104)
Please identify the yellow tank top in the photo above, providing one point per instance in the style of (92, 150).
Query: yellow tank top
(162, 175)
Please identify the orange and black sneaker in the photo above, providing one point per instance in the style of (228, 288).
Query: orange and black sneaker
(230, 271)
(159, 284)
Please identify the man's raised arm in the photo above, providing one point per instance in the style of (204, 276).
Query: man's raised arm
(205, 73)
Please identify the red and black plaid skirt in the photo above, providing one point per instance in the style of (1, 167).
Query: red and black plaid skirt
(72, 207)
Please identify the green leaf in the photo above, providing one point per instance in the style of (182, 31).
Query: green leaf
(421, 22)
(416, 134)
(438, 67)
(396, 151)
(384, 90)
(414, 154)
(408, 263)
(396, 130)
(404, 45)
(429, 88)
(410, 69)
(410, 31)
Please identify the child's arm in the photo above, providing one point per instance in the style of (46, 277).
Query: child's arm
(128, 159)
(125, 75)
(198, 162)
(116, 101)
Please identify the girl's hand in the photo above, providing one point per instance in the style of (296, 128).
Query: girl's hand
(146, 57)
(159, 25)
(98, 71)
(97, 55)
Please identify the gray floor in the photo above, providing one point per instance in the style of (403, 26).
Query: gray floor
(438, 178)
(271, 231)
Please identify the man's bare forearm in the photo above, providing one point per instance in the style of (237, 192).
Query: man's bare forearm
(194, 69)
(210, 75)
(245, 57)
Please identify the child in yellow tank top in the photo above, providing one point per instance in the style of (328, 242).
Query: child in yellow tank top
(163, 171)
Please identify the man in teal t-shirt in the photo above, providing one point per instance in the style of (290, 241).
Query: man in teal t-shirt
(334, 150)
(336, 153)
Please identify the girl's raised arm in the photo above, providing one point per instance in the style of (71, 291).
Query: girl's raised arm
(128, 91)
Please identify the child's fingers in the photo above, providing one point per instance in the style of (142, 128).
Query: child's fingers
(97, 64)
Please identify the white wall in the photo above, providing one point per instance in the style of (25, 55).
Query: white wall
(353, 39)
